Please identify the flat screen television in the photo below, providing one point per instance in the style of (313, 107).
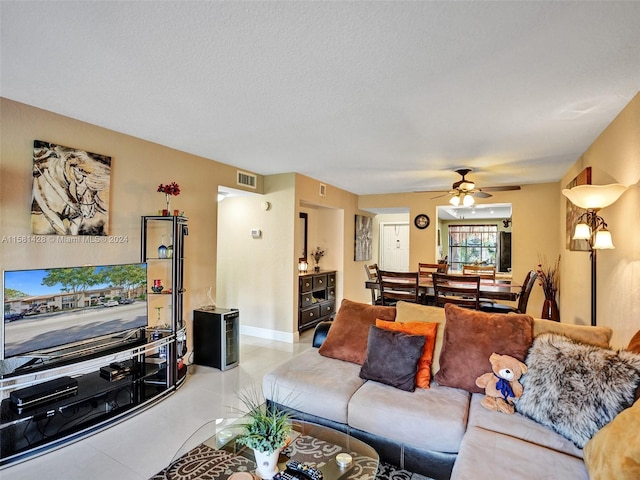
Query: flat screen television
(49, 310)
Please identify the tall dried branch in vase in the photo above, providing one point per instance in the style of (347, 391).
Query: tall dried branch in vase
(548, 276)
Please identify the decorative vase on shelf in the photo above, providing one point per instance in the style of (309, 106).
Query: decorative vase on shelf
(316, 268)
(267, 463)
(550, 310)
(170, 248)
(168, 202)
(162, 250)
(157, 286)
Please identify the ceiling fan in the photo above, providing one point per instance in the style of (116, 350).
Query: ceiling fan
(463, 191)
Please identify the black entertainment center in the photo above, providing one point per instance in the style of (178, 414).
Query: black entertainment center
(63, 392)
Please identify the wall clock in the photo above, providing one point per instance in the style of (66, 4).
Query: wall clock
(422, 221)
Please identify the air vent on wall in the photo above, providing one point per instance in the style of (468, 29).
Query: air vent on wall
(246, 179)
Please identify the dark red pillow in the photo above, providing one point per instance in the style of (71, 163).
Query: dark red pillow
(471, 336)
(348, 335)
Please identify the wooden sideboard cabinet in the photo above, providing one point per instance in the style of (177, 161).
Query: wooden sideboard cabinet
(317, 298)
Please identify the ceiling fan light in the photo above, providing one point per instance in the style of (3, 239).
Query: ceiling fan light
(582, 232)
(455, 200)
(467, 185)
(468, 200)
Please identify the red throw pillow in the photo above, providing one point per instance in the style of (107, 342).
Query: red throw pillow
(428, 330)
(471, 336)
(347, 337)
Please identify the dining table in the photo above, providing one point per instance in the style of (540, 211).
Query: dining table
(503, 289)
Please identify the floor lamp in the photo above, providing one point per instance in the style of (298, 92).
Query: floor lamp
(591, 226)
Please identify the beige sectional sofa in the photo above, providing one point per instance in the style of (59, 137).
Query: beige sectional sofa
(442, 431)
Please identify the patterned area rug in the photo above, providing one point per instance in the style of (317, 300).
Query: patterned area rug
(206, 463)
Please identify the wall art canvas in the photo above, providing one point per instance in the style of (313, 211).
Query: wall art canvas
(363, 238)
(573, 213)
(70, 191)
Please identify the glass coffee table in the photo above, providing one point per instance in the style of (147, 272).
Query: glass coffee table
(212, 453)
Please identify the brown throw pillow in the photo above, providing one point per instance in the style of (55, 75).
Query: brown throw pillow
(392, 358)
(634, 346)
(471, 336)
(347, 337)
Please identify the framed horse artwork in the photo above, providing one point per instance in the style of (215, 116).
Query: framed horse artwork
(70, 191)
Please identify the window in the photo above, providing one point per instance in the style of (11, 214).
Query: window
(472, 244)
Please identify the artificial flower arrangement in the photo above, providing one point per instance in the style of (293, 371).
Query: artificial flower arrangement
(317, 255)
(170, 189)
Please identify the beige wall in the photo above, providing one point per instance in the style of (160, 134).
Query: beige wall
(535, 228)
(254, 274)
(614, 158)
(260, 276)
(138, 167)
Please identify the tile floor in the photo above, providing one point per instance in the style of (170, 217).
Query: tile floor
(144, 444)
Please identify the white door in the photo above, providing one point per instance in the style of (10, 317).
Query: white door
(394, 247)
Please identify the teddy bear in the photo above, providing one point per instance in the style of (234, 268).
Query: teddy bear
(502, 386)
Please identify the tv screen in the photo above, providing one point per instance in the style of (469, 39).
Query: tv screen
(48, 308)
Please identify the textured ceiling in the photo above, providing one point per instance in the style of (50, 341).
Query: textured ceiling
(372, 97)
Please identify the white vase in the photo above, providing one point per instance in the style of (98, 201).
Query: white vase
(267, 463)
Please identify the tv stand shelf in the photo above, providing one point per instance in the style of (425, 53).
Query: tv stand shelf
(98, 401)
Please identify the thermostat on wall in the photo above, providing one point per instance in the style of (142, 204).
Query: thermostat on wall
(255, 232)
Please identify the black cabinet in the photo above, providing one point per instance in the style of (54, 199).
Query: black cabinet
(216, 338)
(316, 299)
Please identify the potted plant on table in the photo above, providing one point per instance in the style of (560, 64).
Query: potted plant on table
(266, 432)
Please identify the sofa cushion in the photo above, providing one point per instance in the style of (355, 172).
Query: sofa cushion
(519, 426)
(426, 329)
(412, 312)
(614, 452)
(634, 344)
(471, 336)
(599, 336)
(486, 455)
(574, 388)
(392, 358)
(431, 419)
(314, 384)
(347, 338)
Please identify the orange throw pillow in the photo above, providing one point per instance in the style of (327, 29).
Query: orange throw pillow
(426, 329)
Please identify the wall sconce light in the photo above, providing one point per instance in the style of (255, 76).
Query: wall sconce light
(591, 226)
(303, 266)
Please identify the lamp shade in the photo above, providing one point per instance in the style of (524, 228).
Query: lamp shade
(583, 232)
(455, 200)
(603, 240)
(594, 197)
(468, 200)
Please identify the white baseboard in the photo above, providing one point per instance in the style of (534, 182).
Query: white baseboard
(269, 334)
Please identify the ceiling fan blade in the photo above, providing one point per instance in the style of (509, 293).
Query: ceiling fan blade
(440, 196)
(481, 194)
(504, 188)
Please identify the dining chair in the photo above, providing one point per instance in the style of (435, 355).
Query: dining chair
(523, 298)
(396, 286)
(460, 290)
(483, 271)
(424, 271)
(372, 276)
